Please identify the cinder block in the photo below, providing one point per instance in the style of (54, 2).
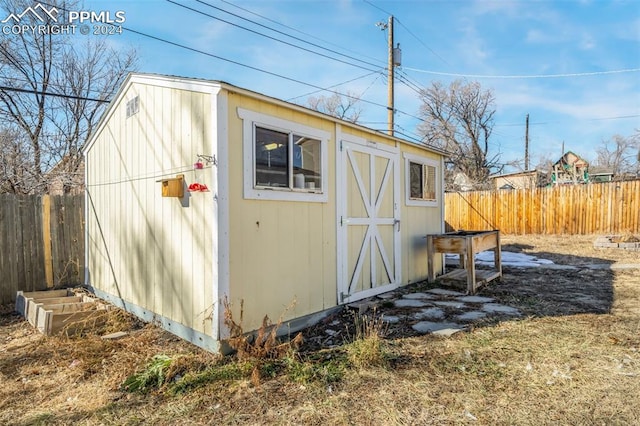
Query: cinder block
(605, 245)
(629, 246)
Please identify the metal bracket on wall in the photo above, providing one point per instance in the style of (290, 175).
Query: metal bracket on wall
(208, 160)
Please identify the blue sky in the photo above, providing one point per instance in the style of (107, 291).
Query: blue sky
(572, 65)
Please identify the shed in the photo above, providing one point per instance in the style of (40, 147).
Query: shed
(527, 179)
(200, 191)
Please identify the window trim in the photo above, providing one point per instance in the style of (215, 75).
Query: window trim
(251, 119)
(412, 158)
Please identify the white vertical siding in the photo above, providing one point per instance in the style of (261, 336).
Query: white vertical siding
(150, 251)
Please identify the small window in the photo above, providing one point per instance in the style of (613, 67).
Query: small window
(133, 106)
(422, 184)
(422, 181)
(287, 160)
(284, 160)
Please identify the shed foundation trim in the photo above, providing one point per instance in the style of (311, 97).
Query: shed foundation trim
(180, 330)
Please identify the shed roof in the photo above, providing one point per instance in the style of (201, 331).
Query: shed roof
(212, 86)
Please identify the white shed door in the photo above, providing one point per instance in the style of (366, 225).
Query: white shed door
(368, 221)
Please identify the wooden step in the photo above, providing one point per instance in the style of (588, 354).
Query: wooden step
(54, 311)
(34, 305)
(23, 296)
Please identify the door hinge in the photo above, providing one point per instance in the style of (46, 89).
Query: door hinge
(340, 145)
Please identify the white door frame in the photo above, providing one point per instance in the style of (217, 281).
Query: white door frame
(345, 145)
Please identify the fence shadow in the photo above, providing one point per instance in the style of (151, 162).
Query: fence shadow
(573, 285)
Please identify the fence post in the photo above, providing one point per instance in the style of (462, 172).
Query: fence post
(46, 239)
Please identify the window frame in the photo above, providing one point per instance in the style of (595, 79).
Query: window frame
(424, 161)
(251, 120)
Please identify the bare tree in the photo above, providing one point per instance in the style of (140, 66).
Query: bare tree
(619, 154)
(53, 92)
(345, 108)
(15, 162)
(459, 120)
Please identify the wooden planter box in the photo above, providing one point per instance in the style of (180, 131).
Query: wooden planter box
(466, 244)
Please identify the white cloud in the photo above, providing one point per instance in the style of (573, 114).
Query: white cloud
(587, 42)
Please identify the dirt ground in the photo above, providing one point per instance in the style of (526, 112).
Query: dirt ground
(573, 357)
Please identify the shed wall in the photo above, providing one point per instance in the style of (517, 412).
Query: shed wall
(151, 251)
(418, 221)
(282, 253)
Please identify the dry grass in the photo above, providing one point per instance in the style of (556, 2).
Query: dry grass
(264, 343)
(552, 367)
(368, 348)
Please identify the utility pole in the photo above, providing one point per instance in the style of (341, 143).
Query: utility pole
(526, 145)
(395, 60)
(390, 94)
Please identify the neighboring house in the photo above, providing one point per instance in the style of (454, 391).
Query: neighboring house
(518, 180)
(290, 207)
(570, 169)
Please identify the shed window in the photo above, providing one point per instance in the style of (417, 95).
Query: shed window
(287, 160)
(422, 180)
(283, 159)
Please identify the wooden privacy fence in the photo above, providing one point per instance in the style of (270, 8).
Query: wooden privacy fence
(41, 243)
(603, 208)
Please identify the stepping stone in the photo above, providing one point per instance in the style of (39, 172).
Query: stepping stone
(433, 313)
(425, 327)
(387, 296)
(451, 304)
(447, 332)
(471, 316)
(114, 336)
(475, 299)
(418, 296)
(445, 292)
(496, 308)
(390, 319)
(409, 303)
(361, 307)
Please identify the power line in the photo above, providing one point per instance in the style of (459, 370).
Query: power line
(274, 38)
(52, 84)
(299, 32)
(578, 74)
(182, 46)
(336, 85)
(192, 49)
(539, 123)
(59, 95)
(408, 30)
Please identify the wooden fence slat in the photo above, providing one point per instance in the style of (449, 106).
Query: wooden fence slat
(612, 207)
(23, 242)
(46, 239)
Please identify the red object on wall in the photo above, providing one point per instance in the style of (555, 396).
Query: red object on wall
(198, 187)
